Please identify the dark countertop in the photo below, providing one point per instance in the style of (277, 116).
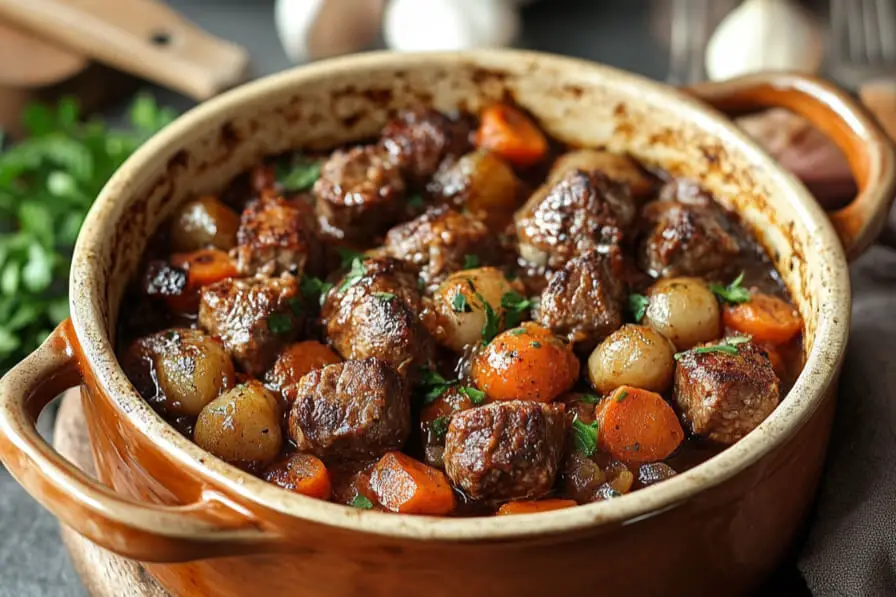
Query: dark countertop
(33, 562)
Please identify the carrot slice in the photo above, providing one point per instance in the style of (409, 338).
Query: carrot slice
(526, 363)
(777, 360)
(301, 473)
(205, 266)
(765, 318)
(637, 425)
(511, 134)
(405, 485)
(533, 506)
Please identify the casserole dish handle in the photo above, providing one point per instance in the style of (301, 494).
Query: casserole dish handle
(868, 150)
(149, 532)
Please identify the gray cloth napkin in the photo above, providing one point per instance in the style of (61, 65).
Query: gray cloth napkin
(851, 545)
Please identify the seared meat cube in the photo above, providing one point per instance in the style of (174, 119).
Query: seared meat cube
(375, 311)
(439, 241)
(723, 395)
(506, 450)
(565, 219)
(359, 193)
(357, 409)
(276, 236)
(293, 363)
(255, 317)
(583, 301)
(686, 240)
(417, 140)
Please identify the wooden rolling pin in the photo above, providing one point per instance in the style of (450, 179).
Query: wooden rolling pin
(141, 37)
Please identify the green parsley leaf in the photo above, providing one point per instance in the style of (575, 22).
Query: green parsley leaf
(384, 296)
(518, 331)
(589, 398)
(584, 436)
(431, 384)
(415, 201)
(515, 307)
(621, 395)
(300, 176)
(734, 293)
(471, 261)
(535, 344)
(637, 306)
(361, 502)
(279, 323)
(475, 395)
(439, 427)
(459, 304)
(296, 305)
(315, 288)
(347, 256)
(727, 345)
(492, 321)
(354, 274)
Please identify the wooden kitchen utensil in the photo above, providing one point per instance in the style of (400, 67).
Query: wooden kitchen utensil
(141, 37)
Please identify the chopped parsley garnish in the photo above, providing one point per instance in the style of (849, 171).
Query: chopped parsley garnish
(415, 201)
(492, 321)
(589, 398)
(354, 274)
(621, 395)
(315, 288)
(475, 395)
(734, 293)
(728, 346)
(296, 305)
(172, 335)
(518, 331)
(438, 428)
(279, 323)
(459, 304)
(348, 256)
(361, 502)
(384, 296)
(584, 436)
(535, 344)
(515, 306)
(300, 175)
(471, 261)
(420, 284)
(637, 306)
(432, 385)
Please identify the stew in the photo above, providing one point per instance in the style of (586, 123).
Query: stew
(460, 317)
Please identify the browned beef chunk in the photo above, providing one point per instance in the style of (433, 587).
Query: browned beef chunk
(374, 311)
(352, 410)
(255, 317)
(359, 193)
(724, 396)
(417, 140)
(583, 301)
(276, 236)
(439, 241)
(580, 212)
(506, 450)
(686, 240)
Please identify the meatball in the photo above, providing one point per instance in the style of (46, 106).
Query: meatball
(506, 450)
(375, 311)
(686, 240)
(359, 193)
(179, 370)
(352, 410)
(417, 141)
(276, 236)
(724, 395)
(255, 317)
(565, 219)
(439, 241)
(296, 361)
(583, 301)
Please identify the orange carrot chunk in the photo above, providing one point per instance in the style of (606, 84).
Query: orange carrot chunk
(205, 266)
(526, 363)
(765, 318)
(533, 506)
(511, 134)
(636, 425)
(402, 484)
(301, 473)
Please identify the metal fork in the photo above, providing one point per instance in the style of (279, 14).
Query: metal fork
(863, 36)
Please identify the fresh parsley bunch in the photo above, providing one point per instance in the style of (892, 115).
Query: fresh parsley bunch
(48, 182)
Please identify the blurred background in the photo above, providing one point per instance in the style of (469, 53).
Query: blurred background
(83, 84)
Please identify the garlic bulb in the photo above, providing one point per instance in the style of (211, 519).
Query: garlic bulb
(421, 25)
(764, 35)
(310, 29)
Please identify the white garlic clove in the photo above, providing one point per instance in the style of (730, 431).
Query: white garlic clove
(312, 29)
(416, 25)
(764, 35)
